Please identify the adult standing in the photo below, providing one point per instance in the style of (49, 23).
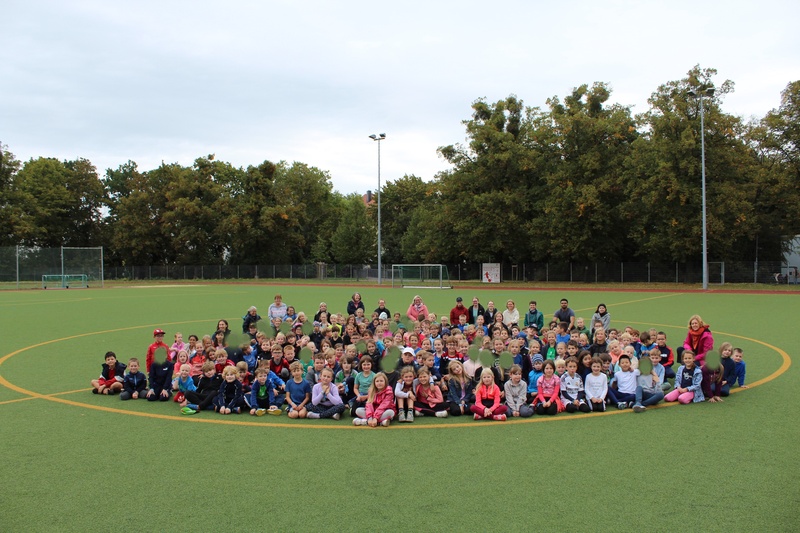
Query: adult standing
(475, 311)
(565, 314)
(354, 304)
(323, 308)
(381, 309)
(534, 317)
(458, 310)
(698, 339)
(511, 314)
(488, 315)
(601, 315)
(417, 310)
(277, 309)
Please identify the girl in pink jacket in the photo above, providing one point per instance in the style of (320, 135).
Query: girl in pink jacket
(380, 404)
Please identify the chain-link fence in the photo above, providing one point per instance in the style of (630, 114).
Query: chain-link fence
(22, 267)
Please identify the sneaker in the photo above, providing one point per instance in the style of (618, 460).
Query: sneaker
(385, 423)
(275, 412)
(336, 416)
(499, 417)
(622, 405)
(402, 416)
(359, 421)
(188, 411)
(477, 417)
(410, 416)
(441, 414)
(261, 412)
(312, 416)
(419, 413)
(639, 408)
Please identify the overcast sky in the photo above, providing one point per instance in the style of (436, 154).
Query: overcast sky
(308, 81)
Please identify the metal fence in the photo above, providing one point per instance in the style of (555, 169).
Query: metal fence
(719, 273)
(23, 267)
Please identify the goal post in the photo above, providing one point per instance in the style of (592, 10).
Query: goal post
(65, 281)
(421, 276)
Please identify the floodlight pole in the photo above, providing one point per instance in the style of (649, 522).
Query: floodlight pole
(379, 137)
(709, 93)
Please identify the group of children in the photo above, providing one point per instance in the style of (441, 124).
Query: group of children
(429, 369)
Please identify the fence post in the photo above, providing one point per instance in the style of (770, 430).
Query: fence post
(676, 272)
(570, 271)
(547, 271)
(621, 272)
(648, 272)
(595, 271)
(17, 252)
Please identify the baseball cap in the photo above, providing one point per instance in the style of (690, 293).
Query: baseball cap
(408, 349)
(459, 299)
(158, 332)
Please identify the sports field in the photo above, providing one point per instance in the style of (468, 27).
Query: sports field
(74, 461)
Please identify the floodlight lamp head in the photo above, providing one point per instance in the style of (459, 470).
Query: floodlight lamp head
(691, 93)
(383, 135)
(710, 91)
(373, 137)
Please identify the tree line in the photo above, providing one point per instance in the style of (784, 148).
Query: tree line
(579, 179)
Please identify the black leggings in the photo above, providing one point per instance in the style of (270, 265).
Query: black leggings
(201, 400)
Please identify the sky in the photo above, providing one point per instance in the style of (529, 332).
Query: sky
(310, 81)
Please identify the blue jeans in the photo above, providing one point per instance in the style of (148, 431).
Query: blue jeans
(646, 398)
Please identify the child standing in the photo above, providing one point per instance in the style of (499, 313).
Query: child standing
(177, 346)
(515, 394)
(688, 381)
(380, 404)
(134, 384)
(487, 399)
(111, 376)
(741, 368)
(158, 344)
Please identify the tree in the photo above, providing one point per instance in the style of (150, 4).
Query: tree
(10, 203)
(354, 239)
(582, 145)
(59, 203)
(664, 175)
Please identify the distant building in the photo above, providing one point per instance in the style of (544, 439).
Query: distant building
(368, 198)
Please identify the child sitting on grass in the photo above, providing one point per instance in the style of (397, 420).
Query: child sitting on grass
(160, 378)
(688, 381)
(229, 398)
(298, 392)
(380, 404)
(207, 389)
(183, 383)
(515, 392)
(429, 397)
(262, 395)
(325, 399)
(134, 384)
(487, 399)
(461, 389)
(111, 376)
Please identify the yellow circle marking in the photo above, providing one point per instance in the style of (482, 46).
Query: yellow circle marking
(787, 362)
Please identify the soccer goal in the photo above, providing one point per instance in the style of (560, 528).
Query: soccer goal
(65, 281)
(422, 276)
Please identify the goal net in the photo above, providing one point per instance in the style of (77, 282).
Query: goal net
(65, 281)
(421, 276)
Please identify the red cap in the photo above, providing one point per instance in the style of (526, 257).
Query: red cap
(158, 332)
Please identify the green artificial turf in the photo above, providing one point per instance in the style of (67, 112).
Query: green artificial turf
(707, 467)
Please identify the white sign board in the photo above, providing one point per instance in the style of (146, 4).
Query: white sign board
(490, 272)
